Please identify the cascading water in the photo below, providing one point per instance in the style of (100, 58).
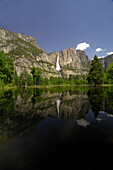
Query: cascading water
(57, 63)
(58, 68)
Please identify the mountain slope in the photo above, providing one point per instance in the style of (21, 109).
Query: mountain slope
(26, 53)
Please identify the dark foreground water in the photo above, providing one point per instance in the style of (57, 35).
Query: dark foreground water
(56, 128)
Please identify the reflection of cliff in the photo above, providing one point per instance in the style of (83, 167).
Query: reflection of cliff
(30, 111)
(25, 116)
(74, 106)
(21, 112)
(66, 106)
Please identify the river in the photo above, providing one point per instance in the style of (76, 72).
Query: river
(56, 128)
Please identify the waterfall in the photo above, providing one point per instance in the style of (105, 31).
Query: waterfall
(57, 63)
(58, 68)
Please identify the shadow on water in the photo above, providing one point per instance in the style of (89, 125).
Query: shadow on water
(96, 99)
(56, 128)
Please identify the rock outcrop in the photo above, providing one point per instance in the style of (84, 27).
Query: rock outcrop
(74, 62)
(106, 61)
(26, 54)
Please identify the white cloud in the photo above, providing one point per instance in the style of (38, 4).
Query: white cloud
(102, 57)
(99, 49)
(109, 53)
(82, 46)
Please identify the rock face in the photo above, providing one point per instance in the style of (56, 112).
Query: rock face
(106, 61)
(26, 53)
(74, 62)
(7, 39)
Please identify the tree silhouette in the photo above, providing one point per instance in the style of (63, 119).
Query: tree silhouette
(96, 75)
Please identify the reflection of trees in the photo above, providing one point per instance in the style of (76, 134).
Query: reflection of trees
(37, 96)
(17, 116)
(109, 100)
(6, 105)
(96, 99)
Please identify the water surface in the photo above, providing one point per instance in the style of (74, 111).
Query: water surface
(57, 127)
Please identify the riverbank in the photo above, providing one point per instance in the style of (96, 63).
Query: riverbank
(46, 86)
(61, 85)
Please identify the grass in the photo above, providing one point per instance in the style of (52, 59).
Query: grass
(107, 85)
(7, 87)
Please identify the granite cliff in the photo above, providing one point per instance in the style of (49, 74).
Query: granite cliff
(106, 61)
(26, 53)
(74, 62)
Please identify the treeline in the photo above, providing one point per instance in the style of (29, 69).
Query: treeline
(35, 79)
(9, 77)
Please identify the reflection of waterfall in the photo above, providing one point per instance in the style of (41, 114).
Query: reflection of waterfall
(58, 105)
(58, 68)
(58, 102)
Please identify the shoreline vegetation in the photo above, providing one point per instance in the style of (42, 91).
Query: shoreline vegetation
(9, 78)
(51, 86)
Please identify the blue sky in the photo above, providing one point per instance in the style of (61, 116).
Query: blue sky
(60, 24)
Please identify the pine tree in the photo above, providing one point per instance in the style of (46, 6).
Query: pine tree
(110, 72)
(6, 68)
(36, 75)
(96, 75)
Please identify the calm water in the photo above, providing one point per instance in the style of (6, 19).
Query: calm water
(56, 128)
